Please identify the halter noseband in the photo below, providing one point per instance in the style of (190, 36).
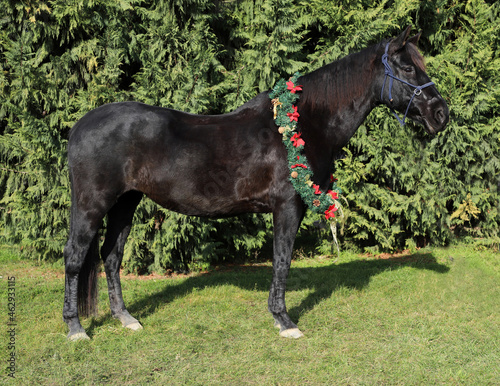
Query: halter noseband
(389, 73)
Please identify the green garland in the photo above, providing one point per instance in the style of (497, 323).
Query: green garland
(284, 96)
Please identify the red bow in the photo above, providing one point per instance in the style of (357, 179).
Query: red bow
(333, 194)
(330, 212)
(292, 88)
(296, 140)
(294, 116)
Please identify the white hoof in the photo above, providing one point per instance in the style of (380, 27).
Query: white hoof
(277, 325)
(292, 333)
(134, 326)
(78, 336)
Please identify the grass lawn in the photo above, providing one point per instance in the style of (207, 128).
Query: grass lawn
(428, 318)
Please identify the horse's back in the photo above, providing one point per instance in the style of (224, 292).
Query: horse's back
(115, 124)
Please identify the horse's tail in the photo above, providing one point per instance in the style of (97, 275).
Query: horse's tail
(87, 281)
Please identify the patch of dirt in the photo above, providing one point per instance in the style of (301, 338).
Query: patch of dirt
(385, 256)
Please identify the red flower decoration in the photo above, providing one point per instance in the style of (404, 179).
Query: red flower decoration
(333, 194)
(296, 140)
(298, 166)
(330, 212)
(292, 88)
(293, 116)
(316, 189)
(332, 178)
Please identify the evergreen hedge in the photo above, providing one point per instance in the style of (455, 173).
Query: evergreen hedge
(60, 59)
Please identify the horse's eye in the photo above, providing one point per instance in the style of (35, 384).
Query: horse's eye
(408, 69)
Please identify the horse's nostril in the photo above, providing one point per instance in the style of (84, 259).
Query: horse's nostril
(440, 116)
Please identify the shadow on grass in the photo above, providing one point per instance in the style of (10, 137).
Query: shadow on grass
(323, 281)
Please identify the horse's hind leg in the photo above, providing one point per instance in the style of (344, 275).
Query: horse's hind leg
(118, 228)
(80, 250)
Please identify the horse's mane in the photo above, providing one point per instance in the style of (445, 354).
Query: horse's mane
(339, 82)
(342, 81)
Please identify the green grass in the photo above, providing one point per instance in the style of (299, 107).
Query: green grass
(429, 318)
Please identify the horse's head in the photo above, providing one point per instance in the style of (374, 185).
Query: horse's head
(407, 88)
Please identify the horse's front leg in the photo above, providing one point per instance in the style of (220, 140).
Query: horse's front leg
(286, 221)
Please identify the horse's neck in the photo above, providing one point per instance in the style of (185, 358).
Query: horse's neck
(335, 102)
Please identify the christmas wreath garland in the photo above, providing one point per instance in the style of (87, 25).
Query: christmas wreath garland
(283, 97)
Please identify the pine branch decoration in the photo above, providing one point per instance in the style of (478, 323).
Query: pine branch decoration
(283, 97)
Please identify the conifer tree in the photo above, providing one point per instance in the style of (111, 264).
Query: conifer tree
(60, 59)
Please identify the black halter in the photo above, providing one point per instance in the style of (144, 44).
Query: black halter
(389, 73)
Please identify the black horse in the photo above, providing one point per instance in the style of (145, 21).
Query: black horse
(224, 165)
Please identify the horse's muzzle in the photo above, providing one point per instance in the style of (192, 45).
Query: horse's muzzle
(438, 117)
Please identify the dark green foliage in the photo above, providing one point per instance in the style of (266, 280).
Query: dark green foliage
(60, 59)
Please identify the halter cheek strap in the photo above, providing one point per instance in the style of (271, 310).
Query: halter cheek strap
(389, 73)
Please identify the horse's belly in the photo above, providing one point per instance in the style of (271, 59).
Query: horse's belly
(194, 204)
(212, 194)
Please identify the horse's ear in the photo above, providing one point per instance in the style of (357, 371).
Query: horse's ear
(399, 42)
(415, 39)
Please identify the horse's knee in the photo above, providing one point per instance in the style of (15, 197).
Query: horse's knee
(112, 263)
(73, 260)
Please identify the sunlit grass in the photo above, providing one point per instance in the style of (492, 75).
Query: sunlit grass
(428, 318)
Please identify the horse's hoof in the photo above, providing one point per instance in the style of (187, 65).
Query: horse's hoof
(277, 324)
(134, 326)
(78, 336)
(292, 333)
